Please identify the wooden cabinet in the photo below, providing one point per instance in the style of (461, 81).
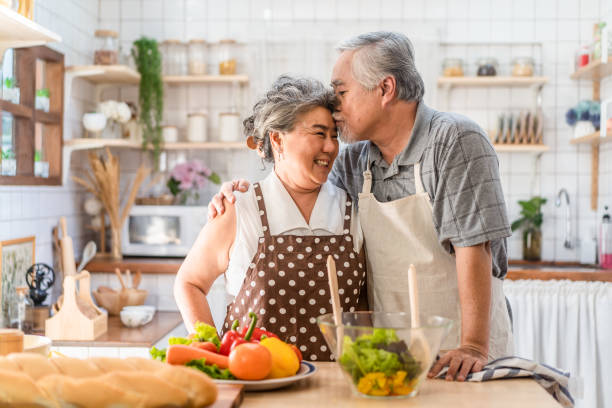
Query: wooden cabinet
(36, 134)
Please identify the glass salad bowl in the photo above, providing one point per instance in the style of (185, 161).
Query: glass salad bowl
(380, 354)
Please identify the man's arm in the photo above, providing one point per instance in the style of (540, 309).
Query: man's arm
(474, 281)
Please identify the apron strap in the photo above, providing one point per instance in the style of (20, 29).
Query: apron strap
(367, 177)
(262, 210)
(347, 216)
(418, 183)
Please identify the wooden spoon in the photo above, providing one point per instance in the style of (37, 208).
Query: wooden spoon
(118, 273)
(336, 308)
(419, 346)
(137, 278)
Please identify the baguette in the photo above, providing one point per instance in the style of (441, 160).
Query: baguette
(32, 380)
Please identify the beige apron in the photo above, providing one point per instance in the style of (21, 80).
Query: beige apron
(401, 232)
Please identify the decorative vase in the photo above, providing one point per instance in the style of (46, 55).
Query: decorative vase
(532, 244)
(583, 128)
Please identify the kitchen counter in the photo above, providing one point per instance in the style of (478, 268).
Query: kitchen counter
(328, 388)
(517, 269)
(119, 335)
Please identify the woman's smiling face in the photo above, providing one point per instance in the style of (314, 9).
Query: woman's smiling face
(308, 151)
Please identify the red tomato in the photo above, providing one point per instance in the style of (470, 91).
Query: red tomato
(250, 361)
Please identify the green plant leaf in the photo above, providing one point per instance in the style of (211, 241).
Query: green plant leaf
(151, 93)
(214, 178)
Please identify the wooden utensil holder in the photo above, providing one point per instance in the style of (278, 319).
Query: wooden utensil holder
(77, 319)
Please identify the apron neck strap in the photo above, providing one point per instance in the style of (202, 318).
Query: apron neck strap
(418, 183)
(347, 215)
(367, 177)
(262, 209)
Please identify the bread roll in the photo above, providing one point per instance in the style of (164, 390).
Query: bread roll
(75, 367)
(17, 388)
(157, 391)
(35, 366)
(89, 392)
(201, 389)
(32, 380)
(110, 364)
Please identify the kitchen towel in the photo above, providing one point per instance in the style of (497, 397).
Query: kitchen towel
(554, 381)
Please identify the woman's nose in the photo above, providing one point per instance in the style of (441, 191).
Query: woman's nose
(330, 144)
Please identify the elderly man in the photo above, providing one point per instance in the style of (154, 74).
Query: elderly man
(428, 192)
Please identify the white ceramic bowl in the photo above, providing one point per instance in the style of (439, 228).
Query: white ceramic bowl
(36, 344)
(135, 316)
(94, 122)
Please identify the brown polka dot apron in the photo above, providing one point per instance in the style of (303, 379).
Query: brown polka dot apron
(286, 284)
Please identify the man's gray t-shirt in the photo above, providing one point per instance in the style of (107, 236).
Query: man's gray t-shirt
(460, 172)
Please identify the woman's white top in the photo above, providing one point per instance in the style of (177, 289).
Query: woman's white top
(284, 217)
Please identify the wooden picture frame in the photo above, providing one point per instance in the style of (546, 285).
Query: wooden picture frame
(16, 256)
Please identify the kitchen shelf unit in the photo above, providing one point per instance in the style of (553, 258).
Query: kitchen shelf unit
(596, 71)
(520, 148)
(17, 31)
(105, 76)
(489, 81)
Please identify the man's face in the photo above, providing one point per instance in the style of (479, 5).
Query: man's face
(357, 108)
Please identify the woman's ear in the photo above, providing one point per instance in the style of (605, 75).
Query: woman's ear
(275, 141)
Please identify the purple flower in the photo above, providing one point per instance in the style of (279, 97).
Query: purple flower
(191, 175)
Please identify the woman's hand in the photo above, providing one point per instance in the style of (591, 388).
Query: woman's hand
(460, 361)
(216, 207)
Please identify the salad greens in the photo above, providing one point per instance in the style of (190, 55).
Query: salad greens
(203, 332)
(212, 370)
(379, 360)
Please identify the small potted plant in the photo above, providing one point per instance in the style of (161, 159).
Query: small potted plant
(584, 117)
(41, 100)
(10, 90)
(186, 179)
(531, 224)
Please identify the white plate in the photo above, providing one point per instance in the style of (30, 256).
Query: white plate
(306, 370)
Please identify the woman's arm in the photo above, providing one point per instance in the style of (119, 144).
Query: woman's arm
(207, 259)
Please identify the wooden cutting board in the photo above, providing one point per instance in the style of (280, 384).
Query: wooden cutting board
(230, 396)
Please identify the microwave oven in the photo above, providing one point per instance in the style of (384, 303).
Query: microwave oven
(162, 230)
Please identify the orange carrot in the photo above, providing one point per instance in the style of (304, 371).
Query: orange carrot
(180, 354)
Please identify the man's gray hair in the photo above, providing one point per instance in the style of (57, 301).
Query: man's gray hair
(383, 53)
(278, 111)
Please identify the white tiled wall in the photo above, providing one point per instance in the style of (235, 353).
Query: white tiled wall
(298, 36)
(34, 211)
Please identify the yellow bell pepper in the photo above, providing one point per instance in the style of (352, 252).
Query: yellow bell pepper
(284, 360)
(374, 384)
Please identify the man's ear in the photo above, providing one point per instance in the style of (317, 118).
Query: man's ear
(388, 87)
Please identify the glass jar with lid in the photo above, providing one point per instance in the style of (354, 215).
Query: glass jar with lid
(452, 67)
(523, 66)
(196, 126)
(487, 66)
(107, 48)
(198, 53)
(227, 57)
(175, 54)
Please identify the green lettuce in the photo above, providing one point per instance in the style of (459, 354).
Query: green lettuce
(381, 351)
(211, 370)
(157, 354)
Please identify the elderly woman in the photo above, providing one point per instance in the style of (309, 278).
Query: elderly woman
(273, 243)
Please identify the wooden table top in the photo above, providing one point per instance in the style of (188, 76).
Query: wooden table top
(328, 388)
(119, 335)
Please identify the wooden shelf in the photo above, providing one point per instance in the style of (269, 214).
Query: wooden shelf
(491, 81)
(105, 74)
(592, 139)
(48, 118)
(595, 70)
(87, 143)
(206, 79)
(517, 148)
(17, 110)
(17, 31)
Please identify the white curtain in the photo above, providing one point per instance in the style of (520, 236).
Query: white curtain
(567, 325)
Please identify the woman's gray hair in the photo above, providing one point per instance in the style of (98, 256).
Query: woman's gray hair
(278, 111)
(383, 53)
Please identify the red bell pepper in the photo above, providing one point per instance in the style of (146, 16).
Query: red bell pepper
(257, 332)
(229, 338)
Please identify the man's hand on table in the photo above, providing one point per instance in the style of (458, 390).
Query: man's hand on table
(216, 207)
(460, 361)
